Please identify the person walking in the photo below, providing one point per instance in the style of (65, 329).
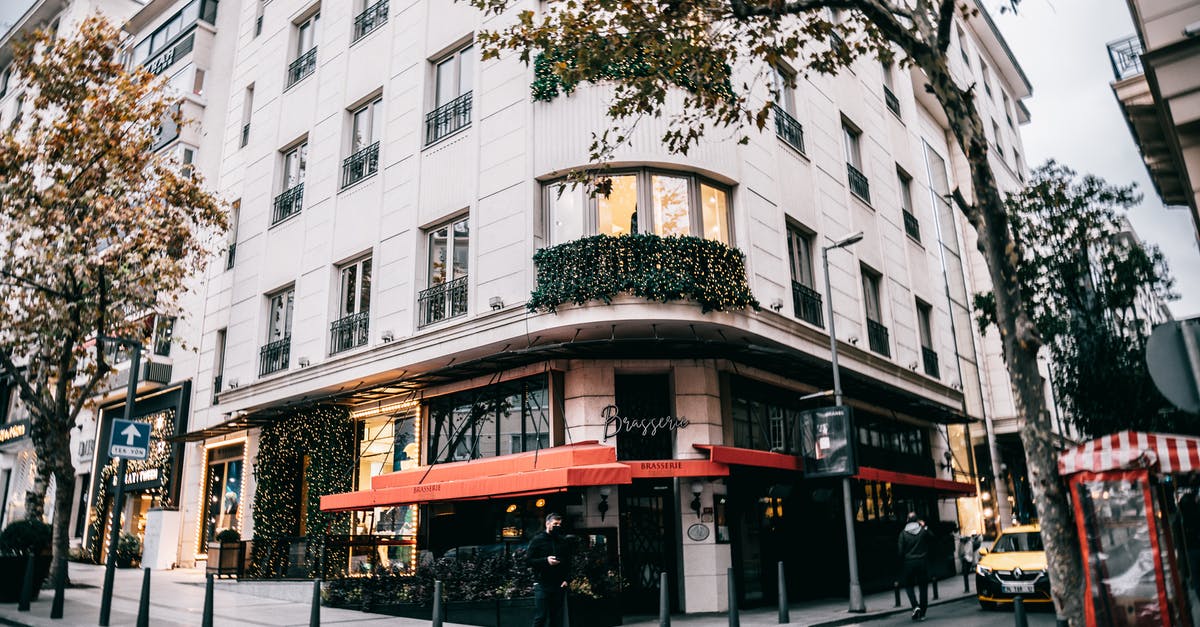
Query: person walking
(549, 556)
(913, 548)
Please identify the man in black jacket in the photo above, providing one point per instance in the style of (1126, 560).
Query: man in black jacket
(550, 558)
(913, 548)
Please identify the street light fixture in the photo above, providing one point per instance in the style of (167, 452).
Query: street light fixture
(856, 596)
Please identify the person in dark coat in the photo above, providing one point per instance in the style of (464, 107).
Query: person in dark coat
(913, 548)
(549, 556)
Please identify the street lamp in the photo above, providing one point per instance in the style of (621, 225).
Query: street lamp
(856, 597)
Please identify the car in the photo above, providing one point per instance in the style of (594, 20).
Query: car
(1014, 565)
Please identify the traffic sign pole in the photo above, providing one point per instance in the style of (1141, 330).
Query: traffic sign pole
(110, 564)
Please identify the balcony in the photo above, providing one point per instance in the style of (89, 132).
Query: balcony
(230, 255)
(788, 129)
(929, 358)
(360, 165)
(258, 26)
(442, 302)
(373, 17)
(349, 332)
(1126, 57)
(858, 183)
(149, 372)
(807, 303)
(448, 119)
(245, 134)
(274, 356)
(911, 226)
(217, 382)
(302, 67)
(877, 335)
(892, 102)
(288, 204)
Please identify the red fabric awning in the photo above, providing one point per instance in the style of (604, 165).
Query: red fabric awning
(585, 453)
(1128, 450)
(676, 468)
(946, 486)
(734, 456)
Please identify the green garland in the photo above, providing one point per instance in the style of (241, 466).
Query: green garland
(644, 265)
(325, 436)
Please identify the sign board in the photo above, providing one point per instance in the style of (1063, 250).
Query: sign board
(129, 439)
(1172, 369)
(826, 442)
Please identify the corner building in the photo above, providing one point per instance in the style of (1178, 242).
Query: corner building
(371, 380)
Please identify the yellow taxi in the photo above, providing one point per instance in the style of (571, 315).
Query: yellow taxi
(1014, 565)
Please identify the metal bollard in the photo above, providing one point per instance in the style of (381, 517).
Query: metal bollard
(784, 617)
(143, 617)
(966, 579)
(1019, 612)
(438, 610)
(314, 616)
(207, 619)
(60, 584)
(664, 601)
(566, 614)
(27, 587)
(734, 621)
(935, 588)
(896, 589)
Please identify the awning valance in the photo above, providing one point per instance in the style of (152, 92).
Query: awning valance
(1126, 450)
(945, 486)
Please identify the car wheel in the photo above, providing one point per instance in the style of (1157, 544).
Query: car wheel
(987, 606)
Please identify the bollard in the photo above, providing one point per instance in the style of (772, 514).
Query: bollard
(734, 621)
(27, 587)
(1019, 612)
(896, 589)
(935, 588)
(438, 611)
(1059, 621)
(783, 601)
(60, 584)
(314, 616)
(143, 617)
(566, 610)
(966, 579)
(207, 619)
(664, 601)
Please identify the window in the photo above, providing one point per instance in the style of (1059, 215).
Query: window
(999, 139)
(4, 78)
(171, 30)
(449, 254)
(877, 334)
(306, 50)
(222, 490)
(365, 125)
(18, 107)
(929, 357)
(1007, 109)
(235, 215)
(680, 204)
(851, 138)
(219, 362)
(164, 331)
(187, 157)
(1018, 166)
(247, 112)
(987, 76)
(351, 326)
(764, 417)
(258, 18)
(276, 354)
(962, 46)
(291, 200)
(502, 419)
(889, 89)
(806, 301)
(374, 14)
(453, 77)
(911, 226)
(786, 126)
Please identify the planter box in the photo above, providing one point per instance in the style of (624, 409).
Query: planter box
(12, 576)
(403, 610)
(224, 559)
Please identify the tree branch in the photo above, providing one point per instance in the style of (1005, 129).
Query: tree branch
(27, 391)
(945, 19)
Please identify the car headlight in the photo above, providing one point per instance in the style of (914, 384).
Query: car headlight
(982, 570)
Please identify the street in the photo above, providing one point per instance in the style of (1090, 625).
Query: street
(967, 612)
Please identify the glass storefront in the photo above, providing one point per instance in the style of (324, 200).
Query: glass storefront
(501, 419)
(223, 490)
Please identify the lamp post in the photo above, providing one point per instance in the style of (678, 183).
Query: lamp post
(115, 531)
(856, 597)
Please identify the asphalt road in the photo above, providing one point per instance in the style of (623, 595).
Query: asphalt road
(967, 612)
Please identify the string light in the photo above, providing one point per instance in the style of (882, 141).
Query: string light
(391, 408)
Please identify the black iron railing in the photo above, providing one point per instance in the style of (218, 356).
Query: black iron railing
(877, 336)
(442, 301)
(858, 183)
(360, 165)
(1126, 57)
(807, 303)
(274, 356)
(230, 255)
(288, 204)
(911, 226)
(349, 332)
(788, 129)
(245, 134)
(217, 381)
(836, 42)
(892, 102)
(258, 26)
(929, 358)
(302, 67)
(448, 119)
(373, 17)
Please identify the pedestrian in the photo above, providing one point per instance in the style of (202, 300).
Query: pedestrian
(913, 548)
(549, 556)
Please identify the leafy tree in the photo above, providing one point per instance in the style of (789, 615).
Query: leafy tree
(677, 58)
(99, 233)
(1087, 283)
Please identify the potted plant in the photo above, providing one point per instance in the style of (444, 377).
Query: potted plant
(225, 554)
(129, 550)
(17, 542)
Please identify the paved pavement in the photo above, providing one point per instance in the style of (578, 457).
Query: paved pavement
(968, 613)
(177, 600)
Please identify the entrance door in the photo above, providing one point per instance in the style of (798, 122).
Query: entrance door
(647, 544)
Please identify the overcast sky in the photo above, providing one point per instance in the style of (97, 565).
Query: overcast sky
(1075, 118)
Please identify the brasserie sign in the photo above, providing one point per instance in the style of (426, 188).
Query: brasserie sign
(615, 423)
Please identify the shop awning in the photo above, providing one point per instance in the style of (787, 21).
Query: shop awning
(1163, 452)
(734, 456)
(944, 486)
(666, 468)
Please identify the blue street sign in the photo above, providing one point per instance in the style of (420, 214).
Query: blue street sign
(129, 439)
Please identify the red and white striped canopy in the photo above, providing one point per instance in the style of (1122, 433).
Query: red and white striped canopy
(1163, 452)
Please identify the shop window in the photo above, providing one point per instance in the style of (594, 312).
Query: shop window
(385, 444)
(764, 417)
(511, 417)
(222, 491)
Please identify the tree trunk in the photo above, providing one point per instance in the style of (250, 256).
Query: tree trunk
(60, 542)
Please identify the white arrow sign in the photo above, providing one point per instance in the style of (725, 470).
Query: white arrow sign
(131, 433)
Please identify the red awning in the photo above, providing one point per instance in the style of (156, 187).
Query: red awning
(958, 488)
(733, 456)
(1127, 450)
(582, 454)
(676, 468)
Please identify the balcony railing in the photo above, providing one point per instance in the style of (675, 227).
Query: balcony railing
(349, 332)
(858, 183)
(442, 301)
(302, 67)
(929, 357)
(877, 336)
(788, 129)
(892, 102)
(373, 17)
(245, 134)
(448, 119)
(1126, 57)
(274, 356)
(217, 381)
(360, 165)
(230, 255)
(911, 226)
(288, 204)
(258, 26)
(807, 303)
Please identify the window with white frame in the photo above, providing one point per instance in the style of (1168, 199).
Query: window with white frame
(453, 76)
(806, 301)
(247, 113)
(998, 138)
(5, 76)
(929, 356)
(291, 198)
(366, 122)
(679, 203)
(851, 141)
(877, 333)
(786, 126)
(987, 76)
(962, 46)
(235, 217)
(351, 324)
(911, 226)
(449, 261)
(306, 50)
(275, 354)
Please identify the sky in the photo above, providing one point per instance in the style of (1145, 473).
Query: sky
(1074, 115)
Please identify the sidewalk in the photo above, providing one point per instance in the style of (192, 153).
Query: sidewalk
(177, 600)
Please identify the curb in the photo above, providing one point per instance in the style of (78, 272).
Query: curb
(862, 618)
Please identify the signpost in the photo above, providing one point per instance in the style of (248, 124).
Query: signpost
(127, 440)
